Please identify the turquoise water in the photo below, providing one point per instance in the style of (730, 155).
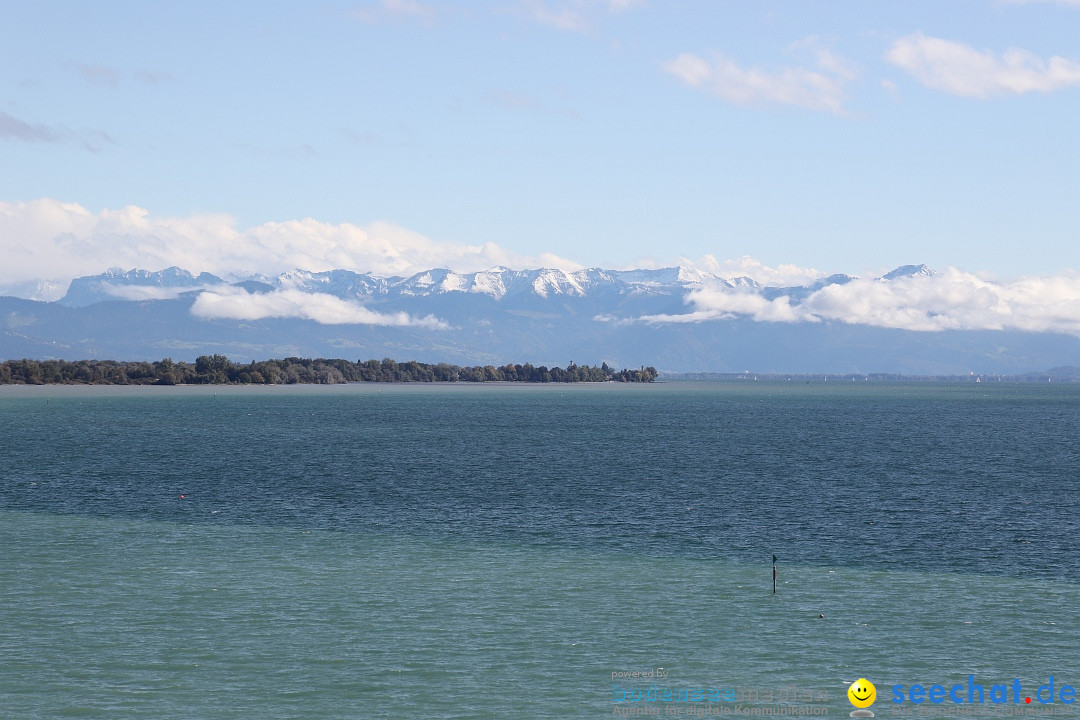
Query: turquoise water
(482, 552)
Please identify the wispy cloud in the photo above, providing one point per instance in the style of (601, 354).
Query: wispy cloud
(12, 128)
(821, 85)
(47, 238)
(149, 77)
(577, 16)
(960, 69)
(411, 8)
(950, 300)
(528, 103)
(397, 10)
(561, 17)
(100, 75)
(238, 304)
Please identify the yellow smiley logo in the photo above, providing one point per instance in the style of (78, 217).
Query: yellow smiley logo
(862, 693)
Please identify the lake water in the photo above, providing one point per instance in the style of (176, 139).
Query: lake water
(502, 550)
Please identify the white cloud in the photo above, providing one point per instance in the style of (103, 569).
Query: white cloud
(144, 292)
(960, 69)
(50, 239)
(746, 266)
(892, 88)
(950, 300)
(820, 87)
(717, 301)
(238, 304)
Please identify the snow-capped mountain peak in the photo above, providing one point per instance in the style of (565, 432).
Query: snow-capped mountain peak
(498, 283)
(909, 271)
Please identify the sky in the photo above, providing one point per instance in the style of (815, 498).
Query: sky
(774, 137)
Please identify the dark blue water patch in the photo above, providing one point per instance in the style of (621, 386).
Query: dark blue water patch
(895, 477)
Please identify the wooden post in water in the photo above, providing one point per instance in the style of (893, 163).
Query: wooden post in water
(774, 574)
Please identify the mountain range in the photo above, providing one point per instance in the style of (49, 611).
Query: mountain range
(626, 318)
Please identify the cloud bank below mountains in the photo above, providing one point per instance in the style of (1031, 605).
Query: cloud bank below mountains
(238, 304)
(950, 300)
(47, 238)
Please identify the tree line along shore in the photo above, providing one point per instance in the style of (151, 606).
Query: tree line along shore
(219, 370)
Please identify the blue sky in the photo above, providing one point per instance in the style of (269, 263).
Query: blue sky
(386, 136)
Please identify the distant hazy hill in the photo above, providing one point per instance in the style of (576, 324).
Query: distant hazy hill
(1065, 371)
(544, 316)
